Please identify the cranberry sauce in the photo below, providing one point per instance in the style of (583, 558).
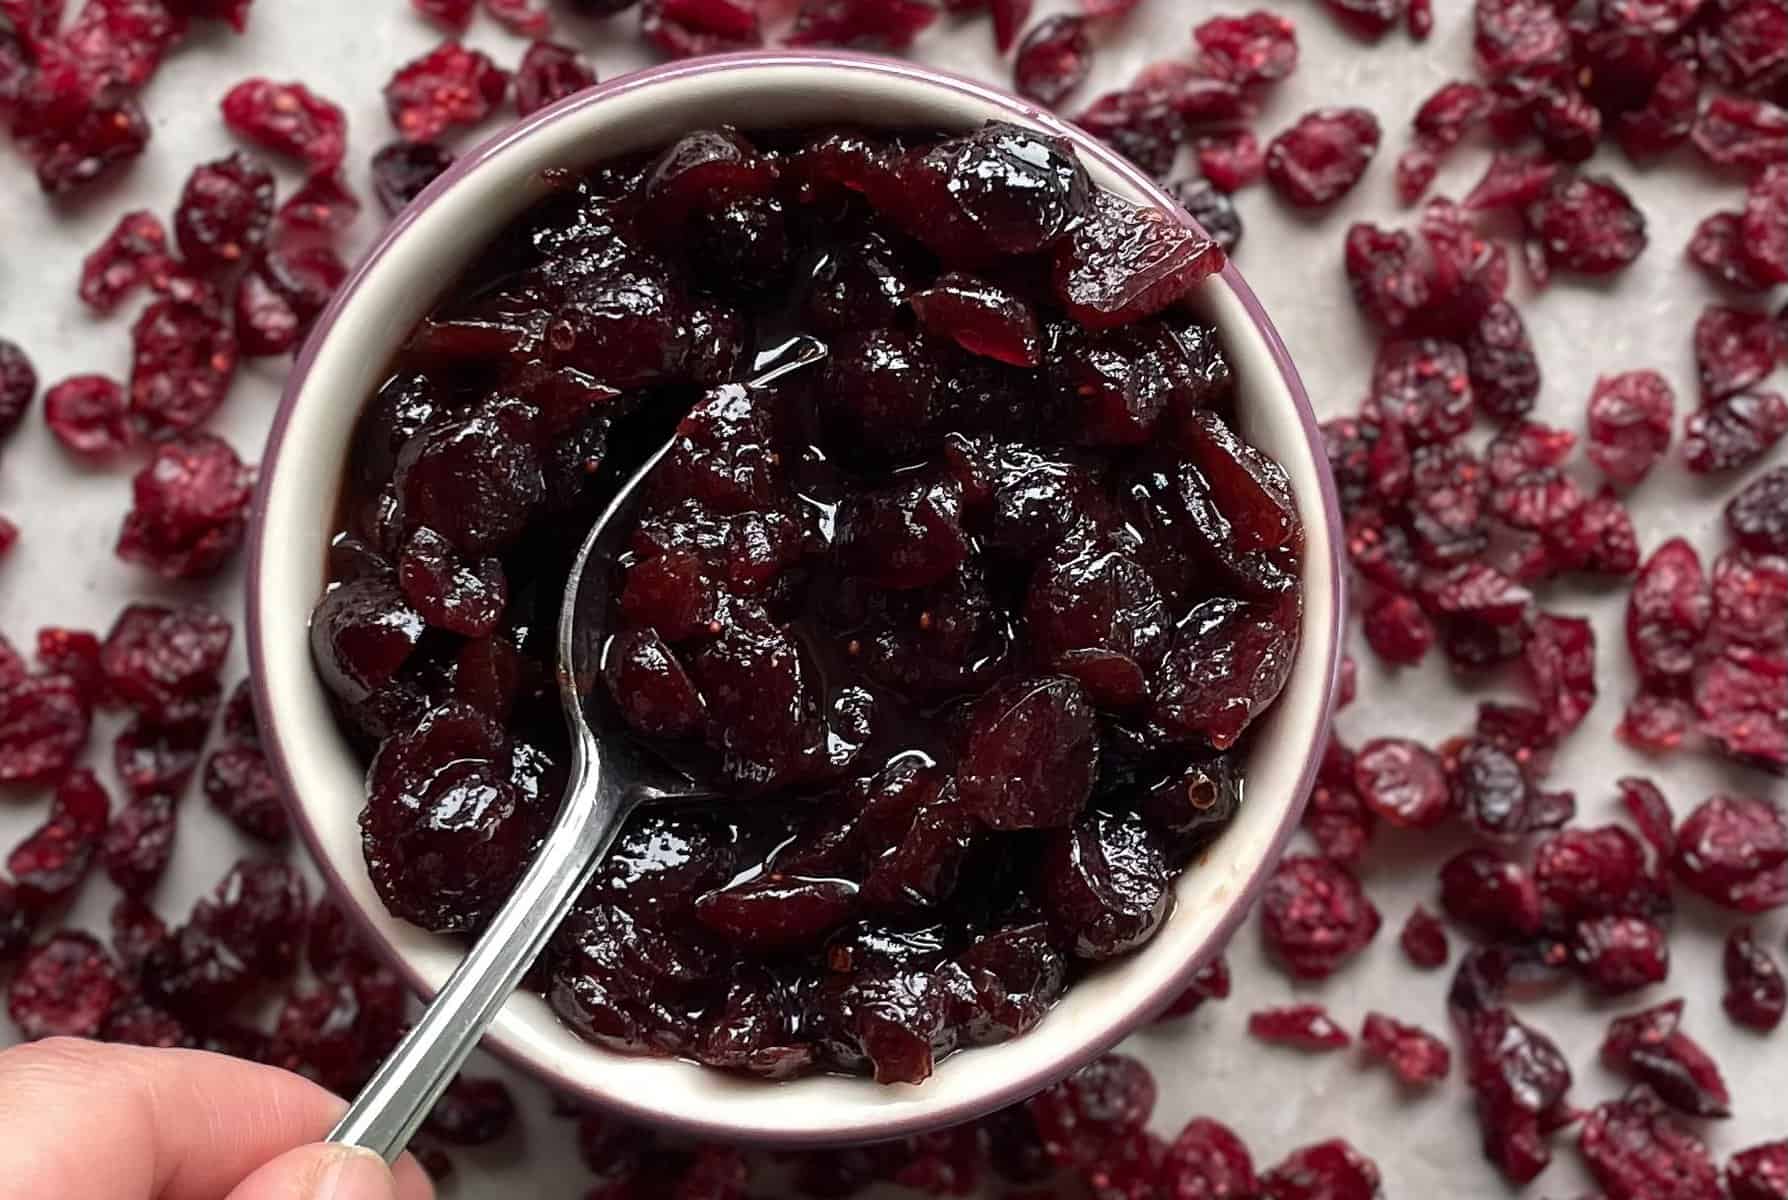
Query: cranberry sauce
(965, 625)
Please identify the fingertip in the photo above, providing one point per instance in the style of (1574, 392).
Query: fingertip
(321, 1172)
(413, 1183)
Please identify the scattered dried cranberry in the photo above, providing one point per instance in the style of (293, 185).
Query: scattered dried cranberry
(1424, 939)
(449, 86)
(1403, 782)
(44, 721)
(1629, 424)
(190, 510)
(1092, 1109)
(549, 72)
(183, 357)
(51, 862)
(1231, 159)
(157, 660)
(1520, 1079)
(1756, 994)
(135, 252)
(1490, 893)
(1637, 1151)
(1319, 159)
(1315, 916)
(1053, 60)
(320, 208)
(525, 18)
(454, 14)
(1341, 825)
(1256, 48)
(240, 784)
(88, 416)
(1331, 1170)
(1416, 1055)
(18, 384)
(1587, 224)
(884, 25)
(1760, 1173)
(1734, 349)
(139, 843)
(224, 212)
(472, 1112)
(1763, 227)
(65, 987)
(1648, 1046)
(1733, 850)
(1207, 1161)
(1505, 373)
(289, 119)
(1757, 516)
(401, 170)
(1209, 982)
(1738, 131)
(1305, 1026)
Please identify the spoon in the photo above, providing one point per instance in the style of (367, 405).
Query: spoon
(609, 780)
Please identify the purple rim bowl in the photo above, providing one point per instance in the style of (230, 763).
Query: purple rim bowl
(344, 360)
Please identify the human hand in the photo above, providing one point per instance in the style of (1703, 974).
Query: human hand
(86, 1121)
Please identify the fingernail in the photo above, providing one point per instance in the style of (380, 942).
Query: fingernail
(353, 1173)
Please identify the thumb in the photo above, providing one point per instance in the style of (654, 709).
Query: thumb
(320, 1172)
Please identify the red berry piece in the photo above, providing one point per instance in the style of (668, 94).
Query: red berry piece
(1512, 181)
(1757, 517)
(1756, 993)
(1635, 1149)
(320, 208)
(1369, 459)
(65, 987)
(1319, 159)
(1498, 897)
(1629, 424)
(1597, 872)
(1561, 669)
(1403, 782)
(1370, 19)
(87, 414)
(454, 14)
(71, 652)
(982, 318)
(1424, 939)
(190, 510)
(1760, 1173)
(1724, 435)
(1009, 16)
(1620, 954)
(158, 660)
(549, 72)
(75, 125)
(1510, 35)
(1331, 1170)
(44, 721)
(1091, 1110)
(1739, 695)
(1209, 982)
(1420, 19)
(1100, 9)
(183, 357)
(135, 252)
(239, 784)
(1739, 131)
(1256, 48)
(1030, 754)
(1207, 1161)
(1340, 823)
(1733, 850)
(1763, 228)
(1053, 60)
(1315, 916)
(1125, 263)
(1104, 885)
(1417, 1056)
(1648, 1046)
(1520, 1079)
(1304, 1026)
(1587, 224)
(1231, 159)
(1597, 536)
(687, 28)
(1663, 122)
(289, 119)
(1667, 614)
(1734, 349)
(403, 169)
(1500, 361)
(18, 384)
(1423, 386)
(139, 843)
(224, 212)
(51, 862)
(884, 25)
(1718, 248)
(449, 87)
(1750, 598)
(524, 18)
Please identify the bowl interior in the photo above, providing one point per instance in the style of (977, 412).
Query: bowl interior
(347, 358)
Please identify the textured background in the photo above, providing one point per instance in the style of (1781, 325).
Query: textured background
(63, 571)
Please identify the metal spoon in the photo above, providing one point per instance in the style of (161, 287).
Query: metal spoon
(608, 781)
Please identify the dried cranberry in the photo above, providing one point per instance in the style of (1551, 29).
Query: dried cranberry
(135, 252)
(1423, 386)
(1760, 1173)
(1756, 995)
(1588, 224)
(65, 987)
(1315, 916)
(1370, 19)
(74, 129)
(1207, 1161)
(1080, 1117)
(1734, 349)
(1733, 850)
(1667, 613)
(1424, 939)
(1331, 1170)
(1521, 1081)
(1560, 663)
(1758, 515)
(1319, 159)
(1125, 263)
(51, 862)
(982, 318)
(1416, 1055)
(525, 18)
(287, 118)
(1763, 227)
(1636, 1151)
(1665, 119)
(1255, 48)
(1340, 823)
(1505, 375)
(454, 14)
(549, 72)
(139, 843)
(1231, 160)
(1629, 424)
(320, 208)
(1490, 893)
(449, 86)
(1736, 131)
(1718, 248)
(1403, 782)
(156, 659)
(44, 721)
(401, 170)
(87, 413)
(1620, 954)
(1053, 60)
(191, 508)
(183, 358)
(224, 212)
(1305, 1026)
(472, 1112)
(861, 24)
(239, 783)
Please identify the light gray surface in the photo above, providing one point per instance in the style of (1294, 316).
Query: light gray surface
(63, 571)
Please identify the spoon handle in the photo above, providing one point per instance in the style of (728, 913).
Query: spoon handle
(407, 1084)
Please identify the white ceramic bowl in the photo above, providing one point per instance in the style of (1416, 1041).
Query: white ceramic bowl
(346, 359)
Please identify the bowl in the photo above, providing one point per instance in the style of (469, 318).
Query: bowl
(344, 361)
